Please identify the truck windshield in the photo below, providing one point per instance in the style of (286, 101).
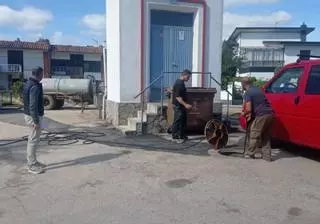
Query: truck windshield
(287, 81)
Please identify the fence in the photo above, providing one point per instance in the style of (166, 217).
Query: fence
(6, 98)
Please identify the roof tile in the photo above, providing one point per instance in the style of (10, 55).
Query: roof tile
(77, 49)
(24, 45)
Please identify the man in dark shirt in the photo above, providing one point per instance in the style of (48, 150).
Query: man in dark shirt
(180, 106)
(33, 114)
(260, 118)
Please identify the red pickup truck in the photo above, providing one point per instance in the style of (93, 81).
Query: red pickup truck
(294, 93)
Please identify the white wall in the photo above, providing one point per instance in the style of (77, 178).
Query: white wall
(3, 81)
(290, 52)
(31, 59)
(60, 55)
(214, 41)
(256, 39)
(3, 56)
(124, 48)
(92, 57)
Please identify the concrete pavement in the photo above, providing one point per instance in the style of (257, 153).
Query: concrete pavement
(143, 180)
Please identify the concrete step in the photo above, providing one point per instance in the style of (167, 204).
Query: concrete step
(126, 130)
(139, 114)
(146, 115)
(155, 108)
(133, 121)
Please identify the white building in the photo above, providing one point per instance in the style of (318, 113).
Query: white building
(18, 58)
(265, 49)
(147, 38)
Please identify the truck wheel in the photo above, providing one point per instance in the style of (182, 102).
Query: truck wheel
(49, 102)
(59, 104)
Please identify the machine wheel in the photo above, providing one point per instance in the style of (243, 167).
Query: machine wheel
(216, 134)
(59, 103)
(49, 102)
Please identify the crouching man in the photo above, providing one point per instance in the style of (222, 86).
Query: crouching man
(260, 118)
(33, 114)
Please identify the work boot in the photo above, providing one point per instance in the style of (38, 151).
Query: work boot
(267, 158)
(247, 156)
(35, 169)
(41, 165)
(179, 141)
(185, 138)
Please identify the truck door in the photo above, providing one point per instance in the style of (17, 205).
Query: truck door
(308, 108)
(282, 92)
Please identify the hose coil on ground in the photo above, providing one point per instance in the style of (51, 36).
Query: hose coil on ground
(216, 134)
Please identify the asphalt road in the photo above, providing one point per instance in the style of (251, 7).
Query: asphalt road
(147, 179)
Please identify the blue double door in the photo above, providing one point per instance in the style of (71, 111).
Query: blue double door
(171, 49)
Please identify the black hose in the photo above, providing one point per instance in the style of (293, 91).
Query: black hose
(60, 138)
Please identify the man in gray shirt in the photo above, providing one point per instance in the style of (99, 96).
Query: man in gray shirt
(260, 118)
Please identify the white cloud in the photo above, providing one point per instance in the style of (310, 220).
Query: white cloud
(28, 18)
(231, 3)
(231, 21)
(96, 23)
(59, 37)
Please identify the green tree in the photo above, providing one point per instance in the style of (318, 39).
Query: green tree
(258, 82)
(230, 63)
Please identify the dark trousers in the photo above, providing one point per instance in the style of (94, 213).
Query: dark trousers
(179, 122)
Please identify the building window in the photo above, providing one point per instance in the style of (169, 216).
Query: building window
(92, 66)
(287, 81)
(262, 57)
(313, 84)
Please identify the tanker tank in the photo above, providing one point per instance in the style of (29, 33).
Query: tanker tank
(55, 91)
(68, 86)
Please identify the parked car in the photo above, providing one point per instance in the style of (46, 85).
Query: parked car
(294, 93)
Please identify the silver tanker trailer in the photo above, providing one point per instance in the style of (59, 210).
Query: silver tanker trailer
(56, 91)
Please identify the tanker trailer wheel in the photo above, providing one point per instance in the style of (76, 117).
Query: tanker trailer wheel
(216, 134)
(49, 102)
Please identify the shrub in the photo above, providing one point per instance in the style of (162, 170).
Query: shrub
(17, 88)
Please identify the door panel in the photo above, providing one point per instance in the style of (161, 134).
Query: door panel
(171, 51)
(181, 59)
(156, 60)
(308, 108)
(282, 93)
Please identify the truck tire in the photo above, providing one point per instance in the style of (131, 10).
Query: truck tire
(59, 104)
(49, 102)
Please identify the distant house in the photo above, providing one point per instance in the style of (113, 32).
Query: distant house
(76, 61)
(265, 49)
(18, 58)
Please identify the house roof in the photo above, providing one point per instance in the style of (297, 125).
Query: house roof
(17, 44)
(77, 49)
(45, 46)
(239, 30)
(292, 43)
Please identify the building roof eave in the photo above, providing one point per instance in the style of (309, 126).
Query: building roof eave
(292, 43)
(238, 30)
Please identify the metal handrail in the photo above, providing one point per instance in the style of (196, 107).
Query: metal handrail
(149, 86)
(216, 81)
(160, 77)
(229, 94)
